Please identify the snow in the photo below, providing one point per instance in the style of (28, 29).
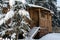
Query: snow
(25, 32)
(51, 36)
(3, 32)
(4, 5)
(0, 38)
(1, 21)
(23, 1)
(2, 15)
(11, 2)
(9, 15)
(32, 5)
(23, 12)
(13, 35)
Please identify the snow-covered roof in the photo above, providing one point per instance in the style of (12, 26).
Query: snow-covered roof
(32, 5)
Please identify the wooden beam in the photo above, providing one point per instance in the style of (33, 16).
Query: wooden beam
(39, 16)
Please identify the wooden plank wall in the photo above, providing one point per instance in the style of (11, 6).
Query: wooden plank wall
(34, 14)
(38, 20)
(45, 23)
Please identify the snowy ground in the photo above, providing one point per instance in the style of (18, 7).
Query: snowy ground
(51, 36)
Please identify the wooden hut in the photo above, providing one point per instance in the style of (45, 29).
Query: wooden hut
(41, 17)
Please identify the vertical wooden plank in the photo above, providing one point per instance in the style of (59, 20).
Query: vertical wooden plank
(49, 22)
(39, 16)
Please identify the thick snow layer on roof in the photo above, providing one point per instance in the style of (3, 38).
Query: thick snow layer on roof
(51, 36)
(32, 5)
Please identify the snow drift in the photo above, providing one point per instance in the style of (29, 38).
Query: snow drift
(51, 36)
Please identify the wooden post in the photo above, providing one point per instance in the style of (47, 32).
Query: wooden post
(39, 16)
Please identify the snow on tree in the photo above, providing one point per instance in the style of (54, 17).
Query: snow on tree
(23, 12)
(20, 14)
(23, 1)
(9, 15)
(11, 3)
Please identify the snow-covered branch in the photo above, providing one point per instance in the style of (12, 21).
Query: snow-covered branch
(9, 15)
(23, 12)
